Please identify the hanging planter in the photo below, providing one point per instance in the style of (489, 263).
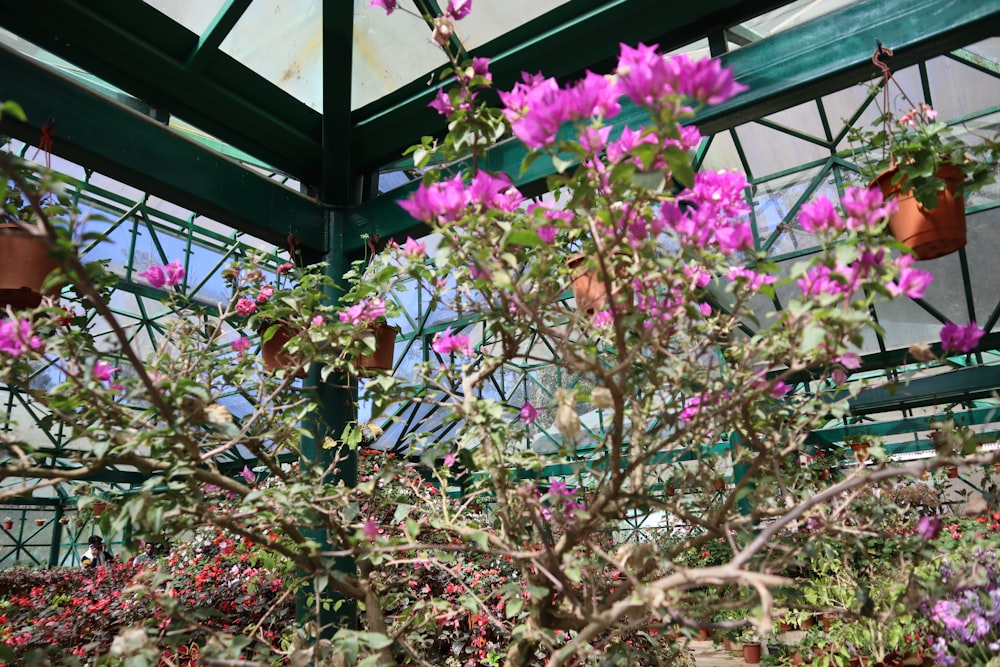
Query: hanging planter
(385, 348)
(929, 232)
(98, 508)
(589, 291)
(925, 167)
(273, 353)
(8, 524)
(24, 265)
(39, 522)
(860, 450)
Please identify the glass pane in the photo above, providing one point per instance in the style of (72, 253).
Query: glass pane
(195, 15)
(283, 42)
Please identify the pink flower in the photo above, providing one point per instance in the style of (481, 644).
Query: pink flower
(911, 282)
(547, 234)
(442, 103)
(371, 529)
(388, 5)
(16, 337)
(317, 321)
(363, 313)
(414, 249)
(241, 344)
(155, 276)
(248, 475)
(287, 266)
(528, 413)
(104, 371)
(440, 203)
(246, 307)
(446, 342)
(266, 292)
(158, 276)
(457, 9)
(449, 459)
(960, 339)
(175, 272)
(603, 318)
(820, 216)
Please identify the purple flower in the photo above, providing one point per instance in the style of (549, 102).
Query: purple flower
(442, 103)
(241, 344)
(440, 203)
(248, 475)
(819, 216)
(928, 527)
(547, 234)
(155, 276)
(16, 337)
(457, 9)
(170, 274)
(960, 339)
(445, 342)
(388, 5)
(103, 371)
(528, 413)
(316, 321)
(911, 282)
(174, 272)
(449, 459)
(864, 206)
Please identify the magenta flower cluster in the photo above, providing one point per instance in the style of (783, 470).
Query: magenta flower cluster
(168, 275)
(17, 337)
(363, 313)
(445, 202)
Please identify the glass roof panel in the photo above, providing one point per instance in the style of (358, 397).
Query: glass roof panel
(195, 15)
(490, 20)
(770, 151)
(984, 262)
(283, 42)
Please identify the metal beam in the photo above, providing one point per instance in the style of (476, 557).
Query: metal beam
(816, 58)
(121, 143)
(959, 386)
(552, 42)
(145, 53)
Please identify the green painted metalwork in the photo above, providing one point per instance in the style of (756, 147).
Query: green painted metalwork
(106, 137)
(217, 30)
(135, 47)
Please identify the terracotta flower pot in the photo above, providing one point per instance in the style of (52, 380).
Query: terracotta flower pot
(705, 634)
(953, 473)
(860, 450)
(98, 509)
(589, 291)
(273, 351)
(39, 522)
(751, 653)
(8, 525)
(933, 232)
(24, 265)
(385, 348)
(719, 484)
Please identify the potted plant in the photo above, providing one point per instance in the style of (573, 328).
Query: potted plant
(8, 523)
(926, 168)
(39, 522)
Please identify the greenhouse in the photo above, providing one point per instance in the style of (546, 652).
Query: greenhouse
(520, 332)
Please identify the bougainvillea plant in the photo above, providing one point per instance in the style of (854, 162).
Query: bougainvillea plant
(514, 556)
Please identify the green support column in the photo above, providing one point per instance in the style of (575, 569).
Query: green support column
(56, 537)
(739, 472)
(338, 397)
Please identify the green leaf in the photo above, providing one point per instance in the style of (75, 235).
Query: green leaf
(513, 607)
(680, 166)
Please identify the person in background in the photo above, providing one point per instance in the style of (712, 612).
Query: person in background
(96, 556)
(147, 556)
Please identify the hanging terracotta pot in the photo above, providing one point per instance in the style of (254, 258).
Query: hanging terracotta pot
(751, 653)
(930, 233)
(39, 522)
(272, 350)
(589, 290)
(98, 508)
(719, 483)
(860, 450)
(953, 473)
(8, 525)
(385, 349)
(24, 265)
